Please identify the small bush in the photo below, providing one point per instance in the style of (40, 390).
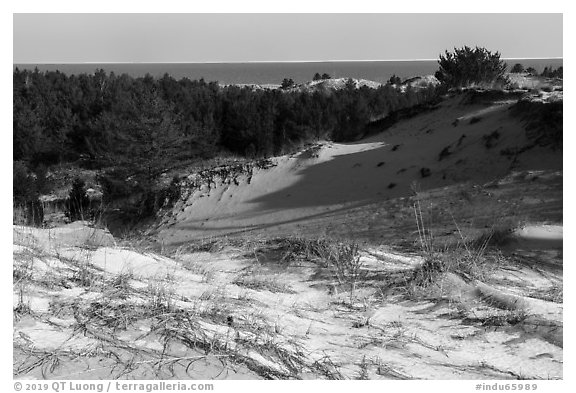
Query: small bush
(78, 201)
(318, 77)
(464, 261)
(342, 259)
(427, 272)
(287, 83)
(517, 69)
(395, 80)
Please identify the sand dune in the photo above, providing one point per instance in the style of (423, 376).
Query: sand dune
(455, 143)
(206, 304)
(109, 312)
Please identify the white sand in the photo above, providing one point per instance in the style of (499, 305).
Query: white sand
(417, 339)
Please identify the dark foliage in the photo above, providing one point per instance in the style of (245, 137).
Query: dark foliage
(134, 130)
(549, 72)
(78, 201)
(466, 66)
(27, 186)
(395, 116)
(517, 68)
(395, 80)
(444, 153)
(24, 187)
(287, 83)
(543, 122)
(146, 125)
(318, 77)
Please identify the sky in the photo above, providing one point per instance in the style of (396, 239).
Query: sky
(100, 38)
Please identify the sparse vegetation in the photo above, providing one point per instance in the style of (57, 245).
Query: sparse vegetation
(469, 259)
(554, 293)
(262, 283)
(259, 301)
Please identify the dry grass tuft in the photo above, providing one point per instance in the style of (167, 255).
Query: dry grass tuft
(470, 259)
(261, 282)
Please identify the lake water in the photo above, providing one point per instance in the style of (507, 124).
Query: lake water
(263, 73)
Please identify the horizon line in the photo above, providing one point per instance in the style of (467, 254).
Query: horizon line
(261, 61)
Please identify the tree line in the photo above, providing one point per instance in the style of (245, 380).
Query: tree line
(548, 72)
(135, 129)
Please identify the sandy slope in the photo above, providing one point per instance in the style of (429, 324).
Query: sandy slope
(335, 177)
(108, 312)
(86, 308)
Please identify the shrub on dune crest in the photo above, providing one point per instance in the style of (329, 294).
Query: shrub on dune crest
(466, 67)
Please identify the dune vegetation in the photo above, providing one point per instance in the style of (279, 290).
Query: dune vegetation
(171, 229)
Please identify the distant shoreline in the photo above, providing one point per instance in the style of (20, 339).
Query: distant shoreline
(271, 72)
(262, 61)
